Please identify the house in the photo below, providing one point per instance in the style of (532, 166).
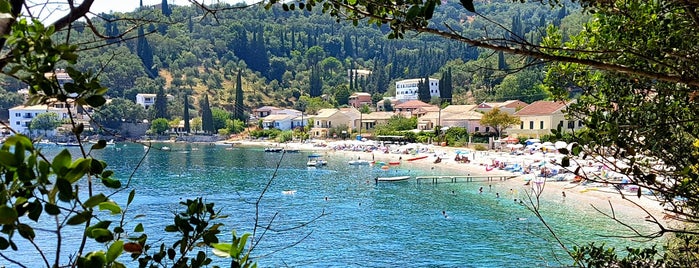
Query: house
(147, 100)
(410, 107)
(358, 99)
(327, 119)
(408, 89)
(264, 111)
(371, 120)
(392, 101)
(540, 117)
(453, 116)
(510, 106)
(21, 116)
(278, 121)
(300, 121)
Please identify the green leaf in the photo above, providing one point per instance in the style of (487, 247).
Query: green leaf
(468, 5)
(111, 183)
(95, 101)
(6, 159)
(99, 145)
(429, 9)
(78, 218)
(132, 194)
(8, 215)
(115, 250)
(222, 249)
(4, 244)
(95, 200)
(61, 162)
(65, 190)
(96, 166)
(102, 235)
(138, 228)
(111, 206)
(52, 209)
(26, 231)
(35, 211)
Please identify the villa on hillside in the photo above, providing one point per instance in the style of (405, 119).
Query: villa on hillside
(358, 99)
(22, 116)
(411, 107)
(371, 120)
(327, 119)
(408, 89)
(540, 117)
(463, 116)
(278, 121)
(147, 100)
(265, 111)
(510, 106)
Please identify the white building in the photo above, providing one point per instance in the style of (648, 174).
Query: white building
(21, 116)
(407, 89)
(147, 100)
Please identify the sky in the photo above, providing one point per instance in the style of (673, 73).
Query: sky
(106, 6)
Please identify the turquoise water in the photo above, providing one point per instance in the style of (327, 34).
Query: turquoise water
(362, 224)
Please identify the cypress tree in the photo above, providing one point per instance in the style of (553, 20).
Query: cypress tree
(160, 104)
(166, 9)
(316, 85)
(207, 118)
(423, 90)
(238, 113)
(186, 113)
(502, 65)
(145, 53)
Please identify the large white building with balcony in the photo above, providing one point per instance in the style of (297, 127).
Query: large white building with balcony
(407, 89)
(21, 116)
(147, 100)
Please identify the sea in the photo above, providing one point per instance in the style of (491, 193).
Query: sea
(337, 215)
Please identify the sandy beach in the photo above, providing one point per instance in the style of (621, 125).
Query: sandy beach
(576, 194)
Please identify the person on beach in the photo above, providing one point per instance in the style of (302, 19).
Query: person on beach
(497, 195)
(480, 190)
(444, 213)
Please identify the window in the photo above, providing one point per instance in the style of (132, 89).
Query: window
(487, 129)
(521, 124)
(580, 123)
(571, 124)
(541, 124)
(17, 123)
(477, 129)
(531, 124)
(18, 114)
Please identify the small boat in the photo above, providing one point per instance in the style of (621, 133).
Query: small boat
(394, 163)
(291, 150)
(68, 144)
(359, 162)
(396, 178)
(165, 148)
(417, 158)
(274, 149)
(315, 160)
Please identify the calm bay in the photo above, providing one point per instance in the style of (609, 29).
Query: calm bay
(397, 224)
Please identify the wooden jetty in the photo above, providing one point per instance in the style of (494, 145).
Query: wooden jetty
(469, 178)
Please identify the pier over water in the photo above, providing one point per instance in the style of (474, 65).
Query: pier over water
(467, 178)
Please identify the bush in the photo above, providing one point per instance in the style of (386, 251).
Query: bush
(480, 147)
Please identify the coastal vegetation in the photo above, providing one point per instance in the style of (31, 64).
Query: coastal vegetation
(630, 64)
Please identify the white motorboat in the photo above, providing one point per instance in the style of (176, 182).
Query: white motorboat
(315, 160)
(396, 178)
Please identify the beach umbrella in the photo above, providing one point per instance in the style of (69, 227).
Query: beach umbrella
(560, 144)
(548, 143)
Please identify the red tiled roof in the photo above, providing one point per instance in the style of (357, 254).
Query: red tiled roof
(541, 108)
(412, 104)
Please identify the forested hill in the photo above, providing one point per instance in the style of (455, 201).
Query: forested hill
(284, 55)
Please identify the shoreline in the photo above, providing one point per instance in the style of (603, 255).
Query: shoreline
(599, 197)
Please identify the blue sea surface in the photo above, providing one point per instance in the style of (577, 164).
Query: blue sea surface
(338, 216)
